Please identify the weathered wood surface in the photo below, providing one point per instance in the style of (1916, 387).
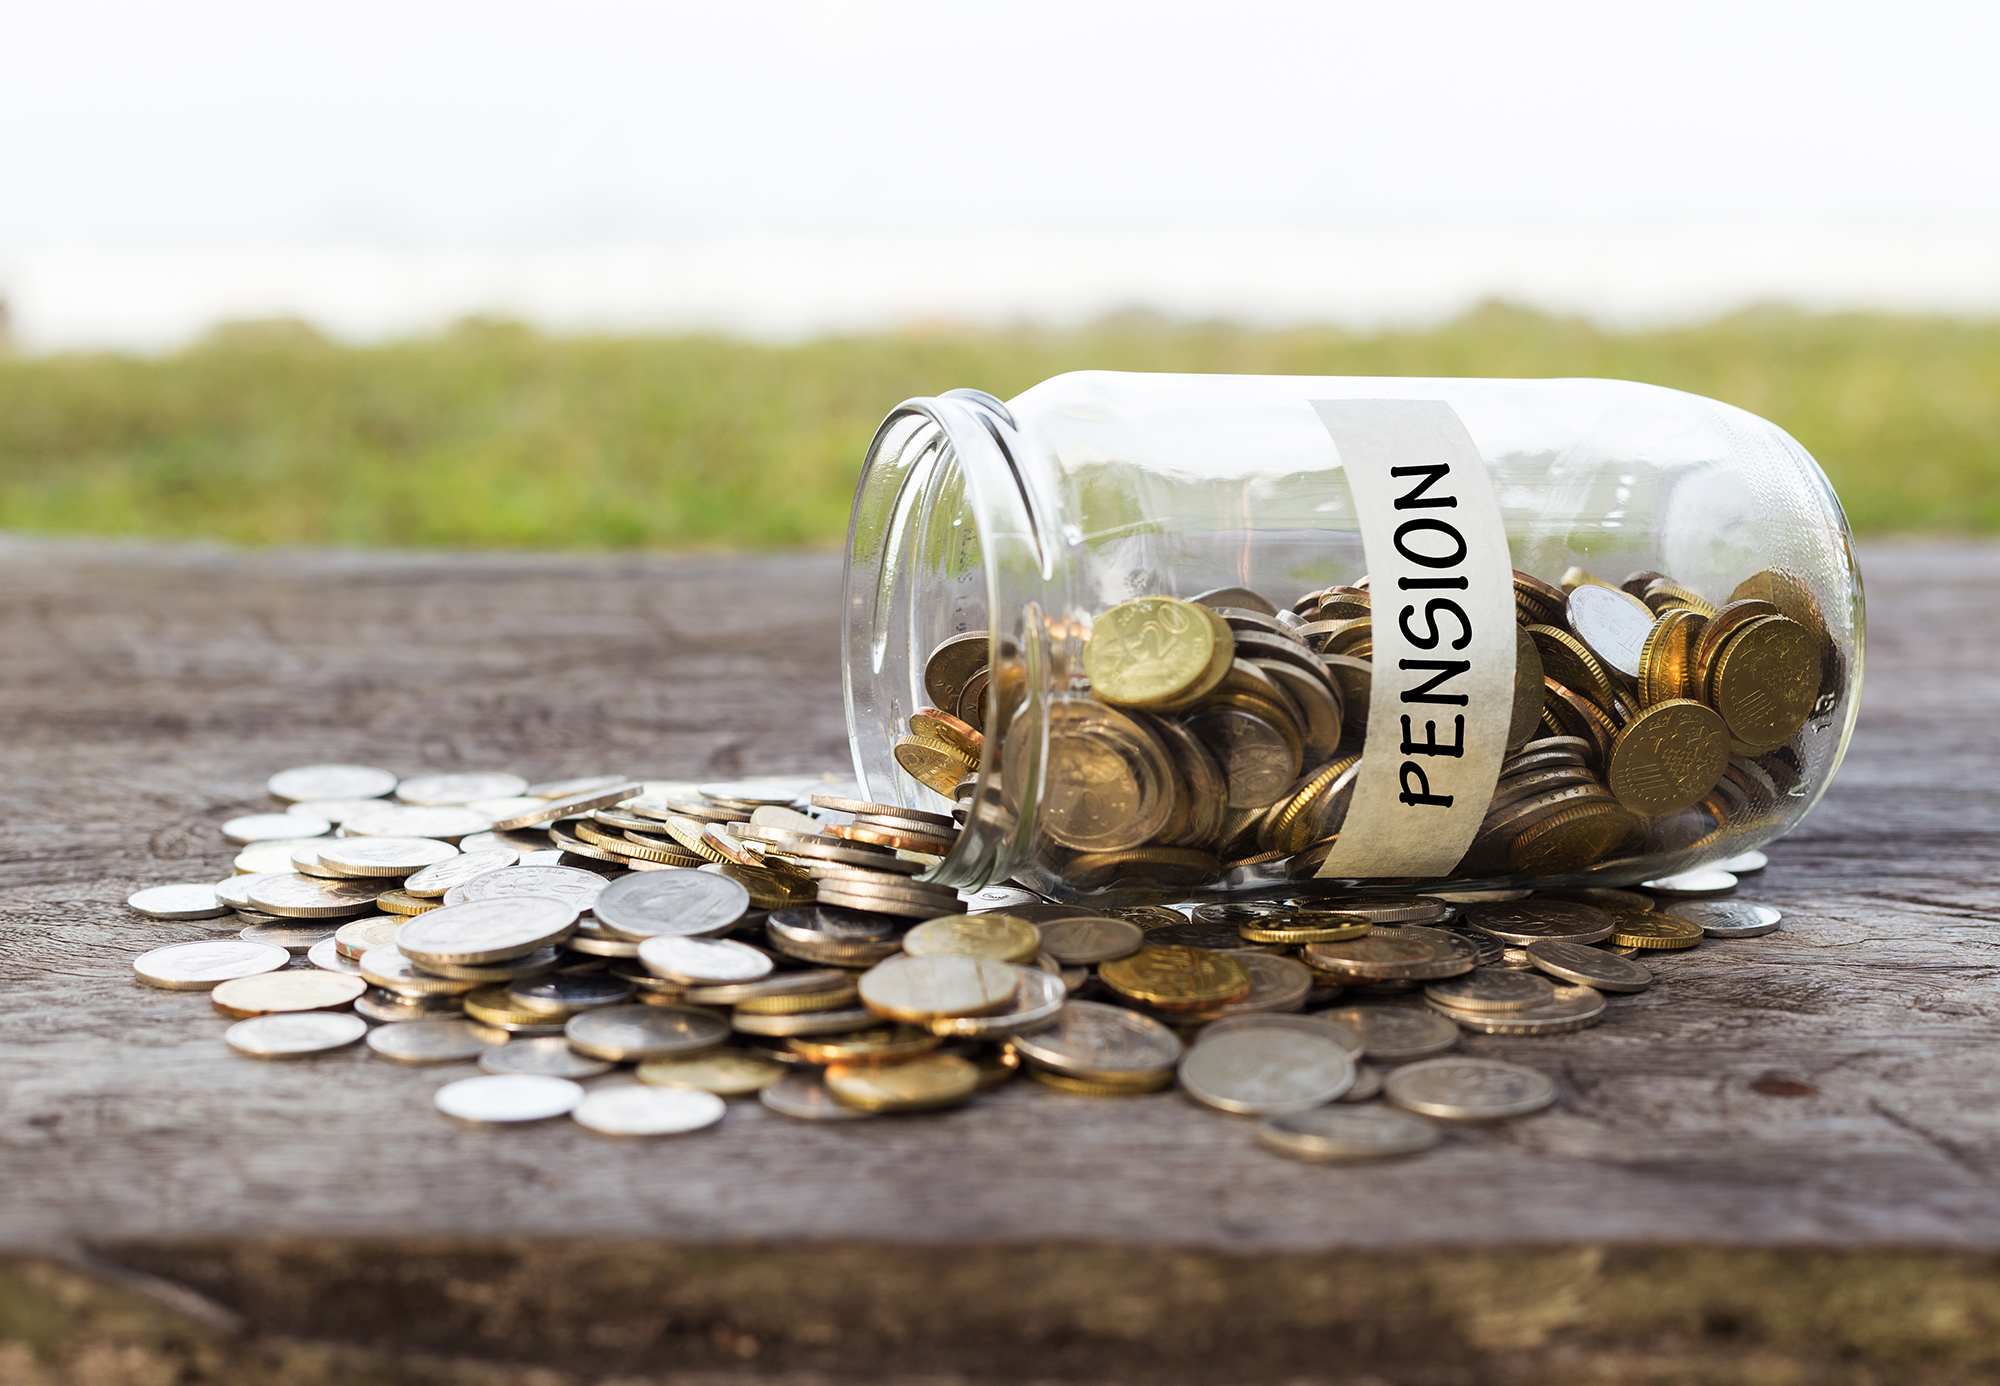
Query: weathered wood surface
(1836, 1085)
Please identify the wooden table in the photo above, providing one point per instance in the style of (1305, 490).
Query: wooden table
(1782, 1162)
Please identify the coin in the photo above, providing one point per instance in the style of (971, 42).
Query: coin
(566, 993)
(920, 989)
(1304, 926)
(777, 984)
(1667, 757)
(1571, 1008)
(999, 936)
(1765, 680)
(440, 1040)
(1727, 918)
(199, 966)
(788, 1024)
(1702, 882)
(1655, 931)
(178, 902)
(307, 897)
(582, 802)
(1039, 999)
(1748, 864)
(632, 1110)
(1376, 957)
(488, 930)
(271, 858)
(1260, 1072)
(383, 856)
(625, 1033)
(1347, 1133)
(1346, 1036)
(921, 1084)
(303, 1032)
(1613, 624)
(1091, 1040)
(391, 1009)
(357, 936)
(331, 782)
(804, 1097)
(724, 1072)
(572, 884)
(677, 901)
(445, 823)
(326, 956)
(703, 961)
(549, 1056)
(437, 790)
(1394, 1034)
(1149, 651)
(1492, 989)
(1523, 922)
(390, 969)
(1591, 967)
(1091, 938)
(1461, 1089)
(508, 1097)
(1170, 976)
(272, 992)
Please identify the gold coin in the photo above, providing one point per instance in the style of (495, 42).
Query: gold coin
(403, 903)
(724, 1072)
(357, 936)
(1293, 822)
(1571, 840)
(936, 724)
(1000, 936)
(1528, 686)
(1149, 650)
(1570, 663)
(1538, 603)
(1092, 1087)
(1110, 784)
(885, 1044)
(911, 839)
(272, 992)
(1666, 663)
(1379, 957)
(1304, 926)
(1668, 757)
(920, 1085)
(493, 1005)
(1635, 930)
(935, 765)
(1765, 681)
(1174, 865)
(1662, 595)
(920, 989)
(690, 834)
(768, 890)
(1174, 977)
(800, 1003)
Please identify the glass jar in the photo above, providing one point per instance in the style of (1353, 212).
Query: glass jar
(1232, 633)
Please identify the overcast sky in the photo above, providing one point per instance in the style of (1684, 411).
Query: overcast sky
(781, 167)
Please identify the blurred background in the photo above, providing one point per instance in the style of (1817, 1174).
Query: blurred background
(613, 275)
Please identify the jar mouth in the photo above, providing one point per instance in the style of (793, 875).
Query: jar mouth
(945, 530)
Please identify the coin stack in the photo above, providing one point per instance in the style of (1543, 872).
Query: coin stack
(801, 961)
(1224, 732)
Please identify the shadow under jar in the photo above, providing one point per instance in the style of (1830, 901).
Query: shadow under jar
(1145, 633)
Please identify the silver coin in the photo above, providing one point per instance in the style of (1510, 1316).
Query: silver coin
(1276, 984)
(1344, 1035)
(446, 824)
(179, 902)
(389, 968)
(511, 970)
(552, 809)
(438, 878)
(1727, 918)
(1367, 1084)
(308, 897)
(1001, 897)
(295, 1032)
(1461, 1089)
(1090, 939)
(326, 955)
(703, 961)
(294, 935)
(777, 984)
(551, 1057)
(1492, 989)
(335, 811)
(679, 901)
(271, 827)
(305, 860)
(841, 1022)
(1348, 1133)
(488, 930)
(1394, 1034)
(383, 856)
(577, 887)
(199, 966)
(330, 782)
(440, 1040)
(804, 1097)
(1613, 624)
(234, 891)
(644, 1111)
(1039, 1001)
(1748, 864)
(552, 857)
(625, 1033)
(1264, 1072)
(433, 791)
(1522, 922)
(1089, 1039)
(565, 993)
(1693, 884)
(1590, 967)
(269, 858)
(391, 1009)
(1571, 1008)
(596, 947)
(508, 1097)
(523, 842)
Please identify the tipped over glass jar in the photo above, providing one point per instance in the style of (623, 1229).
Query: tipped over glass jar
(1171, 633)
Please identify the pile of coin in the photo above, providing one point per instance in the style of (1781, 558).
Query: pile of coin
(1223, 733)
(783, 947)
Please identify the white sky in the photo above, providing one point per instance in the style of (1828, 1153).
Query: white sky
(783, 168)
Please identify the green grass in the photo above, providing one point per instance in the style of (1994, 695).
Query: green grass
(493, 436)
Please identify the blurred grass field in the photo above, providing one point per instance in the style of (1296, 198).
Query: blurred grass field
(491, 435)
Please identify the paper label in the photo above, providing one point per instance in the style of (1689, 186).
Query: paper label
(1442, 588)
